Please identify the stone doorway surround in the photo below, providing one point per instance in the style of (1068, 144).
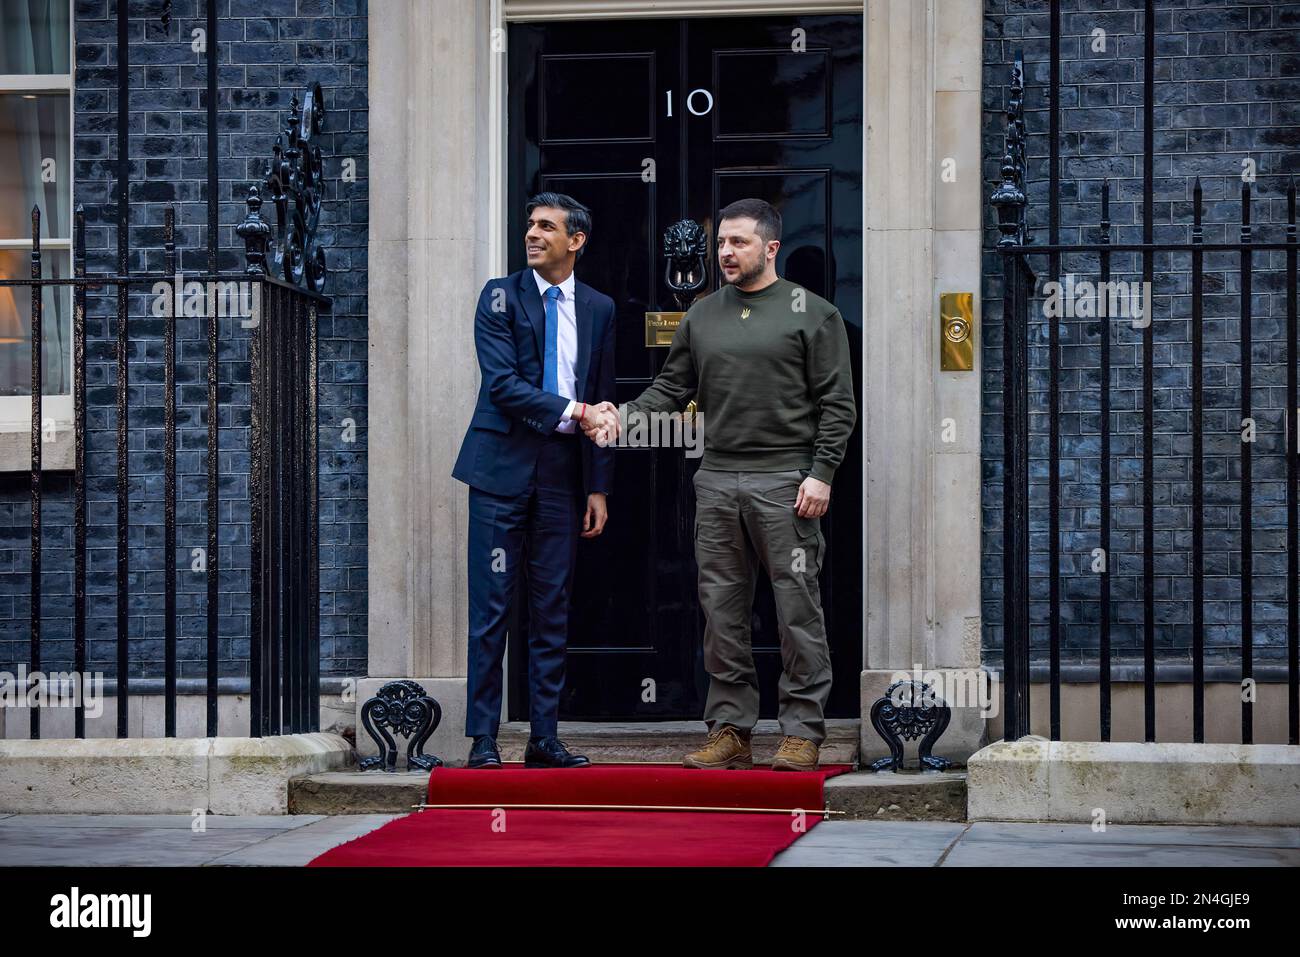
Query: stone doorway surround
(437, 233)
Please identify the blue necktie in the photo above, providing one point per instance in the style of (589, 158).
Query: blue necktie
(551, 362)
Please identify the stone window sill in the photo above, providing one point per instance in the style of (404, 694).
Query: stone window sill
(58, 451)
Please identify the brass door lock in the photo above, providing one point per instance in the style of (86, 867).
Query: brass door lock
(956, 331)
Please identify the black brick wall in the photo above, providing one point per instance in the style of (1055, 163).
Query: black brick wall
(269, 50)
(1227, 88)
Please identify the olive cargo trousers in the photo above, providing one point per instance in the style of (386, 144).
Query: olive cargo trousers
(744, 520)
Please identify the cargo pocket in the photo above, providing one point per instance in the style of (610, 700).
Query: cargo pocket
(807, 528)
(809, 539)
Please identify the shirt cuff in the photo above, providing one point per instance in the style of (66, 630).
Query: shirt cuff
(568, 413)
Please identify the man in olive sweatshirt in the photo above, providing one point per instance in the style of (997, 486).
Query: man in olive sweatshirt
(767, 363)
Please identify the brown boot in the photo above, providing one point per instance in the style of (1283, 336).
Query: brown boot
(795, 754)
(727, 747)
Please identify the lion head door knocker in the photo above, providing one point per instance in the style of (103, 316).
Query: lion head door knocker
(686, 272)
(910, 710)
(406, 709)
(686, 255)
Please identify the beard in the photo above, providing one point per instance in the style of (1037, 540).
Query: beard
(747, 275)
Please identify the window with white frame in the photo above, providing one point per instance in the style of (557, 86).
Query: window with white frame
(36, 79)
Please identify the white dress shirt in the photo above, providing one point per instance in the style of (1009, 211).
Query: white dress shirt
(566, 347)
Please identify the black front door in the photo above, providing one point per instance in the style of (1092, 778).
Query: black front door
(648, 122)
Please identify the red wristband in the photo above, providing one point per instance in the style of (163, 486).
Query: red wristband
(582, 411)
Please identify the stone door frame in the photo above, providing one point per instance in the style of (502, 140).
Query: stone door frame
(437, 233)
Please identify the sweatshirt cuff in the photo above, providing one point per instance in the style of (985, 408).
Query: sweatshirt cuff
(822, 473)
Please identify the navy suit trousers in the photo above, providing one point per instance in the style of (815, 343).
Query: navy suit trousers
(536, 530)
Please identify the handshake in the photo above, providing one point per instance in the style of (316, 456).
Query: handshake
(600, 422)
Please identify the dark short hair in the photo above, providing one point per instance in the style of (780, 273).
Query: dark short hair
(577, 218)
(761, 212)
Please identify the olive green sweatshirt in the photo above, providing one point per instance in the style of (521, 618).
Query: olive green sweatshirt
(769, 371)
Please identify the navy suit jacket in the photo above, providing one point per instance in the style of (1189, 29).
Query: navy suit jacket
(512, 414)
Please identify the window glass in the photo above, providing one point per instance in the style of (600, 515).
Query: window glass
(34, 164)
(34, 36)
(35, 170)
(16, 324)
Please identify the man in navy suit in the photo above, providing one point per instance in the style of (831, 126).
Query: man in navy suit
(545, 347)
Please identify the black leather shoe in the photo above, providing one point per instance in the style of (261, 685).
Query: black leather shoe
(551, 753)
(484, 753)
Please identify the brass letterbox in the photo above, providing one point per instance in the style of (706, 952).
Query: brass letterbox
(660, 327)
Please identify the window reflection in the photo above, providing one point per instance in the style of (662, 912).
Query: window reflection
(35, 169)
(16, 324)
(34, 36)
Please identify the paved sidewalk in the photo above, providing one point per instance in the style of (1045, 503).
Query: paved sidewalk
(144, 840)
(933, 843)
(54, 840)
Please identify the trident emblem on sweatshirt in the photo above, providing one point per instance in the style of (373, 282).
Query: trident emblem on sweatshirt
(744, 313)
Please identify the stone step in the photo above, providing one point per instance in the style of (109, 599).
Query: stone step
(612, 742)
(357, 792)
(893, 796)
(862, 795)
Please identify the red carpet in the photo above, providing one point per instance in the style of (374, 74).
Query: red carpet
(513, 837)
(623, 784)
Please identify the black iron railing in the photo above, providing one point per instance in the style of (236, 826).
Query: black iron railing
(284, 572)
(1020, 282)
(285, 276)
(285, 669)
